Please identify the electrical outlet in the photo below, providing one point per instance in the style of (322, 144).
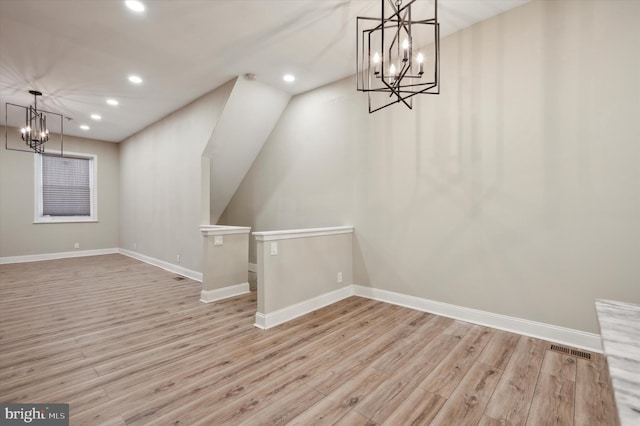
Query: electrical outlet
(218, 240)
(274, 248)
(177, 258)
(339, 277)
(76, 245)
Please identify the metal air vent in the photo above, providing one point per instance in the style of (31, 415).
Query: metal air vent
(572, 352)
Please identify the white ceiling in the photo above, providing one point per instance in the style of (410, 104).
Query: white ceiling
(80, 52)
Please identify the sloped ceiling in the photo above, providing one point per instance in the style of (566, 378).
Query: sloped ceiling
(80, 52)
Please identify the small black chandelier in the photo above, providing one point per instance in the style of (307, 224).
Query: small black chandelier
(35, 132)
(399, 53)
(33, 126)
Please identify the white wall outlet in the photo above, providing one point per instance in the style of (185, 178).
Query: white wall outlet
(76, 245)
(218, 240)
(177, 258)
(274, 248)
(339, 277)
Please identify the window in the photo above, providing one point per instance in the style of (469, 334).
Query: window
(65, 188)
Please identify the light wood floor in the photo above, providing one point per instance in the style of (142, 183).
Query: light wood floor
(125, 343)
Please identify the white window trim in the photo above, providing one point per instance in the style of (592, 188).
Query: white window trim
(93, 181)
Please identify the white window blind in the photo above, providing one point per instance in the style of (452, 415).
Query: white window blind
(66, 186)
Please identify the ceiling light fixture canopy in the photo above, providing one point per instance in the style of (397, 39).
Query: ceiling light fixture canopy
(399, 53)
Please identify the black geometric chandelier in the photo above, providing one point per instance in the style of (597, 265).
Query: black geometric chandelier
(399, 53)
(34, 129)
(35, 132)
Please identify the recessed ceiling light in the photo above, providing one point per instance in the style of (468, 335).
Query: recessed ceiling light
(96, 117)
(135, 5)
(112, 102)
(135, 79)
(84, 127)
(289, 78)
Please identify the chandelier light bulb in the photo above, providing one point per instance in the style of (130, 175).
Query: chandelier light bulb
(376, 63)
(420, 60)
(405, 50)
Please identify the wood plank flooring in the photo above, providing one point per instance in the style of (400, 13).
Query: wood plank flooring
(125, 344)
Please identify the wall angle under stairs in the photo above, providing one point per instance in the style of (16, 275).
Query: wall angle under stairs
(250, 114)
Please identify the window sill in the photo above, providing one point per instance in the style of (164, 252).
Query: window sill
(65, 219)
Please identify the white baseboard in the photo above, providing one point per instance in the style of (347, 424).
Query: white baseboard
(53, 256)
(552, 333)
(194, 275)
(253, 267)
(208, 296)
(265, 321)
(261, 321)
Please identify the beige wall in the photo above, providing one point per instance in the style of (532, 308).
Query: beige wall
(303, 176)
(249, 115)
(161, 183)
(304, 268)
(19, 236)
(516, 191)
(225, 265)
